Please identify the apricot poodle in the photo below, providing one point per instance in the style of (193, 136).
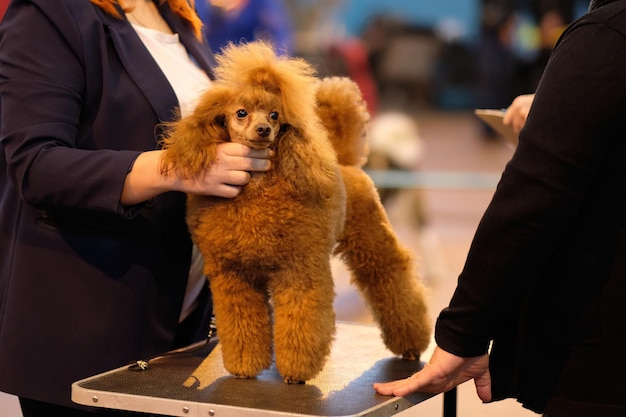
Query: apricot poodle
(267, 252)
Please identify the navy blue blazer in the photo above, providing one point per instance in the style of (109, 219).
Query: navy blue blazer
(86, 285)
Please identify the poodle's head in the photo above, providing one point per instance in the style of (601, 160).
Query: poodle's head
(267, 81)
(254, 120)
(256, 97)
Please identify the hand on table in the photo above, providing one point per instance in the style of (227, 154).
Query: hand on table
(443, 372)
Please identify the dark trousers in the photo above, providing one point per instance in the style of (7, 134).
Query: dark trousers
(195, 328)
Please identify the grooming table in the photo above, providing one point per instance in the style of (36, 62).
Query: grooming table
(194, 382)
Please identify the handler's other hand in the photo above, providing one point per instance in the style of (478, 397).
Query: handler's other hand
(442, 373)
(516, 114)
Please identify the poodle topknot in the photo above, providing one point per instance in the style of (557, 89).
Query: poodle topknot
(255, 66)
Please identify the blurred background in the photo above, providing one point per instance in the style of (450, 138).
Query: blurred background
(423, 68)
(446, 55)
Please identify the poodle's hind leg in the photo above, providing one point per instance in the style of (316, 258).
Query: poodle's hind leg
(304, 319)
(383, 270)
(243, 320)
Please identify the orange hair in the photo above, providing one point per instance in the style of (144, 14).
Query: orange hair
(183, 8)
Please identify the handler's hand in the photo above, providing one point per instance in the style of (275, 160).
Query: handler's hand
(226, 177)
(231, 170)
(442, 373)
(516, 114)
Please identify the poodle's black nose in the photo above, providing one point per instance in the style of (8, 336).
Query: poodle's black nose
(263, 130)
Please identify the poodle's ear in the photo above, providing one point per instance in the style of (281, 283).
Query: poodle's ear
(191, 143)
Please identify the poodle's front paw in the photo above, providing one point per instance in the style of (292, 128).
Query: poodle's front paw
(293, 381)
(411, 356)
(247, 366)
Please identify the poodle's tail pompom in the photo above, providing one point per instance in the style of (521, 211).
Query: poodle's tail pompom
(344, 114)
(259, 65)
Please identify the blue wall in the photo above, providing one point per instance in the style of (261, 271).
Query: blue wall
(464, 13)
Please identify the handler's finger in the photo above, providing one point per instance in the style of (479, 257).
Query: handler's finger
(483, 387)
(236, 177)
(400, 387)
(508, 117)
(227, 191)
(239, 149)
(257, 164)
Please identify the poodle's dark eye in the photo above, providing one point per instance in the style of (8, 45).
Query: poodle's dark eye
(241, 113)
(274, 115)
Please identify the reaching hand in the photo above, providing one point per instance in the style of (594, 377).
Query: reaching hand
(516, 114)
(442, 373)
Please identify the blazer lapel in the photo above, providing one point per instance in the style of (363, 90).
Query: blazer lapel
(143, 69)
(200, 51)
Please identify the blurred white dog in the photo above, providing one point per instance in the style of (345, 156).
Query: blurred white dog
(395, 144)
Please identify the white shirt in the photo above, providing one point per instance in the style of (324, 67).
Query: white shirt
(186, 78)
(188, 82)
